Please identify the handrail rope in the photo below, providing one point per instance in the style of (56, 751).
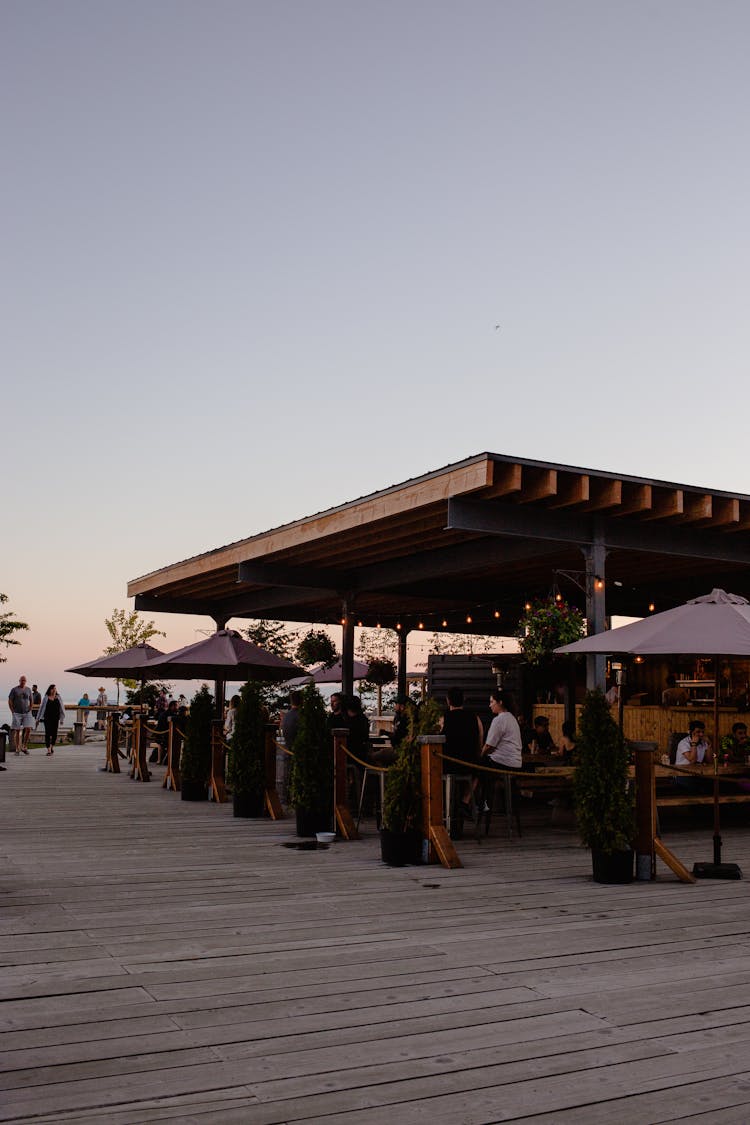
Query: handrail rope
(367, 765)
(283, 749)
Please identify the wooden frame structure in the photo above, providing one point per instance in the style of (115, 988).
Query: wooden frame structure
(464, 547)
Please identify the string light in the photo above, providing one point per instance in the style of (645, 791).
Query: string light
(558, 598)
(359, 624)
(420, 625)
(468, 619)
(527, 607)
(343, 621)
(599, 584)
(496, 614)
(651, 607)
(445, 624)
(378, 625)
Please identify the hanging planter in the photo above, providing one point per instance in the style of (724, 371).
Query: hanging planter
(316, 647)
(546, 624)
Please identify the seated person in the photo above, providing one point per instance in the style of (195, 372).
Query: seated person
(358, 738)
(694, 749)
(402, 712)
(568, 743)
(541, 739)
(612, 695)
(736, 744)
(673, 696)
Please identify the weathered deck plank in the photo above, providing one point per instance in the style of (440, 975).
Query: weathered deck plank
(163, 961)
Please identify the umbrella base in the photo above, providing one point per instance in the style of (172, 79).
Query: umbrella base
(716, 871)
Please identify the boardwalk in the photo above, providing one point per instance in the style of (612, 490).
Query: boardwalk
(164, 962)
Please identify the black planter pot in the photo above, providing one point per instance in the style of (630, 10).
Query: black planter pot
(399, 848)
(310, 821)
(248, 804)
(612, 867)
(193, 790)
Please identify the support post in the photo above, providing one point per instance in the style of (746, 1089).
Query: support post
(401, 669)
(343, 817)
(273, 803)
(347, 646)
(595, 555)
(218, 791)
(436, 840)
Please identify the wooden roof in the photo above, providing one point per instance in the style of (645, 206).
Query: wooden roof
(474, 539)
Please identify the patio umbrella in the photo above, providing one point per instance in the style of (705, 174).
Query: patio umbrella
(132, 664)
(224, 655)
(332, 675)
(717, 624)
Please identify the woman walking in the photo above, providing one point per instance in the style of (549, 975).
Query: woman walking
(52, 713)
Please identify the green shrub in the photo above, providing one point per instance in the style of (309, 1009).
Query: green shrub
(248, 745)
(311, 779)
(195, 761)
(402, 797)
(604, 805)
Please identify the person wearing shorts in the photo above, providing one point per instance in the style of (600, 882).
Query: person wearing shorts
(19, 703)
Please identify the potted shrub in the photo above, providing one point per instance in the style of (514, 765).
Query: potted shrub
(311, 777)
(195, 760)
(316, 647)
(547, 624)
(401, 834)
(248, 748)
(604, 805)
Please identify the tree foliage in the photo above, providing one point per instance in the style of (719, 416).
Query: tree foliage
(311, 780)
(195, 761)
(8, 626)
(126, 629)
(274, 637)
(248, 746)
(402, 798)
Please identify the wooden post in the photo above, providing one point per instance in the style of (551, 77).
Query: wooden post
(218, 789)
(140, 770)
(273, 804)
(112, 738)
(343, 817)
(645, 810)
(172, 772)
(438, 842)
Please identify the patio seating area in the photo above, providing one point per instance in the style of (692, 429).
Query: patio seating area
(165, 962)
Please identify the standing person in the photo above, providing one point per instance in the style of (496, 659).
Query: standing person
(84, 706)
(36, 699)
(19, 703)
(101, 716)
(464, 735)
(335, 718)
(52, 714)
(289, 724)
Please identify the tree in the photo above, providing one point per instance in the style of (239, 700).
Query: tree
(8, 626)
(126, 630)
(274, 637)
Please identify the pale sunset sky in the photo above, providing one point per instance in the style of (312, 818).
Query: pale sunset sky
(255, 254)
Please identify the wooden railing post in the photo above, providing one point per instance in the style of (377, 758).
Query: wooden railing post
(172, 772)
(140, 770)
(343, 817)
(218, 790)
(273, 803)
(112, 738)
(436, 839)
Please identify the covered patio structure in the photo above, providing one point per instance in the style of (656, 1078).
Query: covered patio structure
(462, 549)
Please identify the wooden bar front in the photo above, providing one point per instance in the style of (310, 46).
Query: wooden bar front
(650, 724)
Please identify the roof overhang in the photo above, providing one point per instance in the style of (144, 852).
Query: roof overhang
(473, 539)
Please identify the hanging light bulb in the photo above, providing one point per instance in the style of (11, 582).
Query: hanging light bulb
(343, 621)
(497, 614)
(527, 607)
(468, 619)
(420, 625)
(359, 624)
(599, 584)
(398, 625)
(378, 625)
(444, 623)
(558, 596)
(651, 607)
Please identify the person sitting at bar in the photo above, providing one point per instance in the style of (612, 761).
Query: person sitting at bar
(568, 743)
(736, 744)
(673, 696)
(695, 748)
(541, 739)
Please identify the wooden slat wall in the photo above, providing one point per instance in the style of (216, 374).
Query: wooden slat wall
(650, 724)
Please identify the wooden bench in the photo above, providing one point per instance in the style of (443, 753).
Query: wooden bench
(701, 799)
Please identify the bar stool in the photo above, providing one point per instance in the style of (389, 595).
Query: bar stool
(452, 816)
(507, 788)
(368, 772)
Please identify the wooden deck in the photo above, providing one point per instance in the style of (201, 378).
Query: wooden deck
(164, 962)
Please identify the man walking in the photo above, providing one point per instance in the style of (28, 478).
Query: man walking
(19, 703)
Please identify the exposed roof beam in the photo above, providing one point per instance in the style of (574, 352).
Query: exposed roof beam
(496, 518)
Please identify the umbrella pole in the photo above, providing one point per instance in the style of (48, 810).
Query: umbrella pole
(717, 869)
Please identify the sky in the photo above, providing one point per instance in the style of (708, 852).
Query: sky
(255, 257)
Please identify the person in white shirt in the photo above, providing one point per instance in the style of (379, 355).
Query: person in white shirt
(502, 743)
(696, 748)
